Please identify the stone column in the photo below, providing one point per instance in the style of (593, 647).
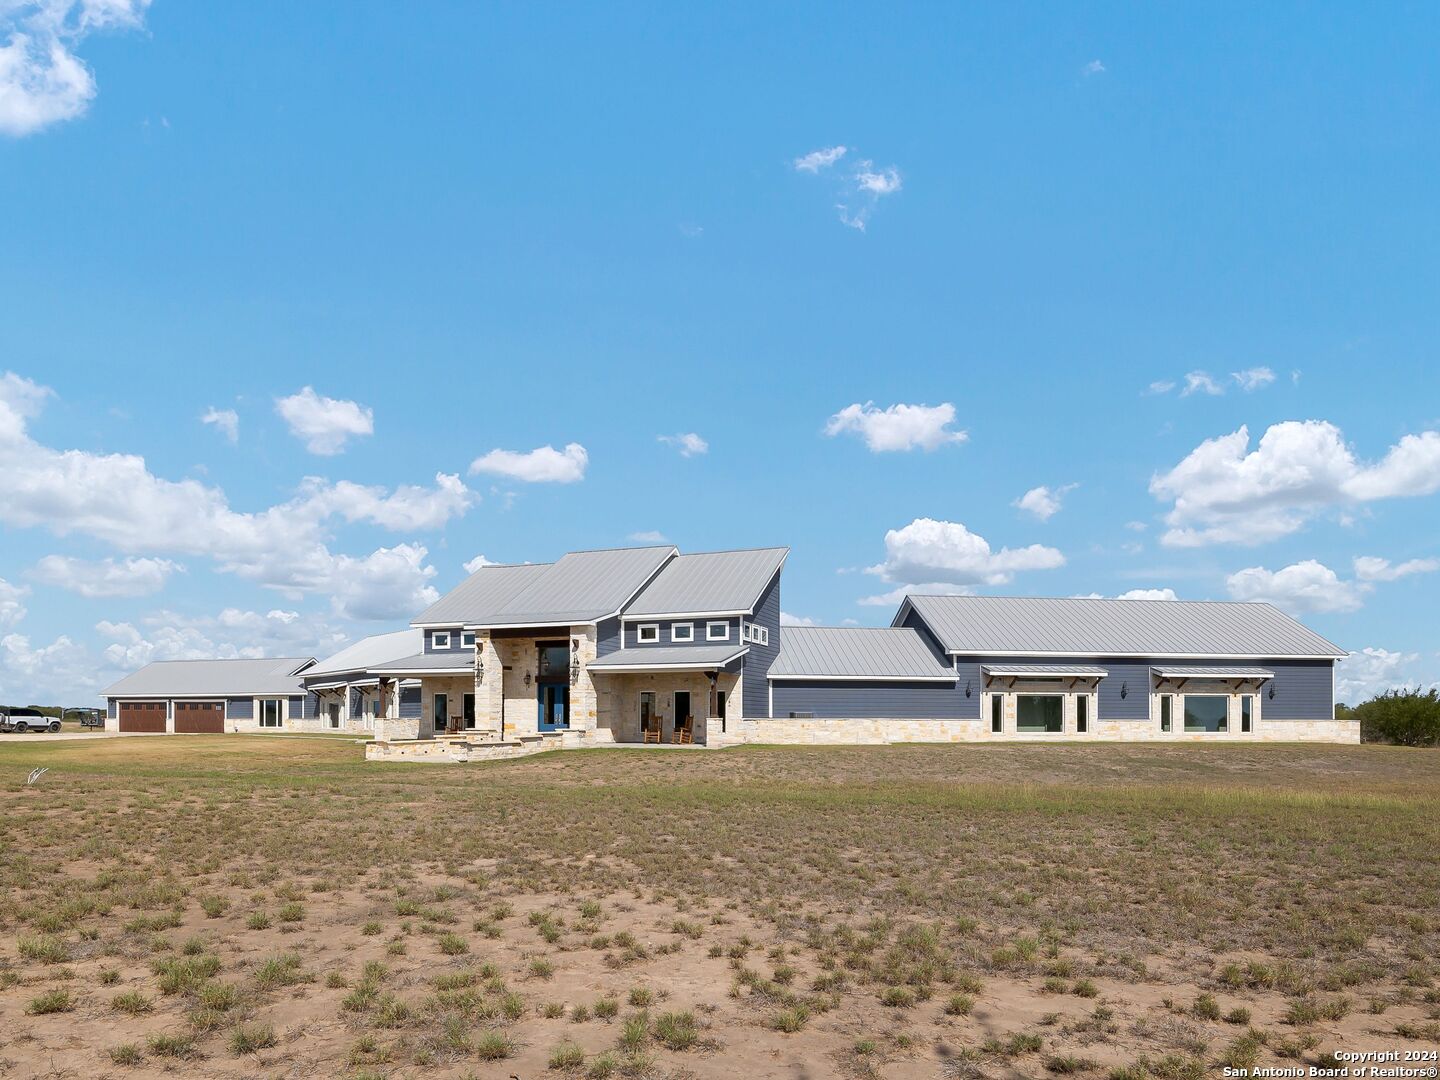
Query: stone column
(489, 685)
(583, 699)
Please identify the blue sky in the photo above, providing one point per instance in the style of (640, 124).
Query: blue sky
(1053, 302)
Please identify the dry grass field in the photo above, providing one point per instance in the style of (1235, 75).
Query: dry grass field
(227, 906)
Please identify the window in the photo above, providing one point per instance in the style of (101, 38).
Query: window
(802, 716)
(467, 639)
(720, 703)
(1082, 713)
(554, 660)
(440, 639)
(1247, 713)
(270, 712)
(648, 634)
(682, 631)
(1207, 713)
(997, 714)
(760, 635)
(717, 631)
(1039, 714)
(1165, 700)
(649, 720)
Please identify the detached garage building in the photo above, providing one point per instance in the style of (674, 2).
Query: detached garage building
(196, 697)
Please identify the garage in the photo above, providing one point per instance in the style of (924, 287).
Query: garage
(142, 716)
(199, 717)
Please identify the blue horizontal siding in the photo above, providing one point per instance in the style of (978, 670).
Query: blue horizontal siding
(240, 708)
(455, 639)
(871, 700)
(632, 635)
(410, 702)
(607, 637)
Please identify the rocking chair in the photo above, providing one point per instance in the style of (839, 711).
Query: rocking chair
(684, 733)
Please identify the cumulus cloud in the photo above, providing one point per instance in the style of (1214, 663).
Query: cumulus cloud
(407, 507)
(929, 555)
(900, 427)
(649, 536)
(105, 577)
(1370, 671)
(816, 160)
(877, 182)
(1225, 493)
(1373, 568)
(1044, 502)
(324, 424)
(1252, 379)
(12, 603)
(688, 443)
(786, 619)
(115, 498)
(479, 562)
(1306, 586)
(544, 465)
(223, 420)
(893, 597)
(42, 80)
(1148, 594)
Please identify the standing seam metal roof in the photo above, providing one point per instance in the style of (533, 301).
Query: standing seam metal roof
(981, 625)
(487, 590)
(882, 653)
(369, 651)
(709, 581)
(213, 678)
(665, 656)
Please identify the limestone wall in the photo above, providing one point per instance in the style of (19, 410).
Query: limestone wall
(879, 731)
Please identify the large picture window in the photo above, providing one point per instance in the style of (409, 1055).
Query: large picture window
(1039, 714)
(1206, 713)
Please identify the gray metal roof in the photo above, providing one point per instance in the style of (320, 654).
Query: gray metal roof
(676, 658)
(1078, 670)
(1213, 672)
(852, 652)
(1039, 626)
(455, 660)
(367, 652)
(214, 678)
(709, 582)
(486, 591)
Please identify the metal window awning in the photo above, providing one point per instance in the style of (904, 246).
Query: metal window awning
(1054, 671)
(1214, 672)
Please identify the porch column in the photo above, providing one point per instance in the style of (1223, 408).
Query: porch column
(489, 685)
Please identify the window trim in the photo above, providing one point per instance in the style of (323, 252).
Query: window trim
(723, 625)
(1166, 706)
(1039, 694)
(997, 713)
(650, 629)
(1082, 704)
(689, 628)
(1224, 728)
(1247, 713)
(467, 639)
(436, 635)
(281, 704)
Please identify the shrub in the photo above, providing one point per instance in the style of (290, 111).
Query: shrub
(452, 944)
(790, 1020)
(959, 1005)
(494, 1046)
(567, 1055)
(52, 1001)
(898, 997)
(46, 948)
(1206, 1008)
(677, 1030)
(132, 1002)
(1403, 717)
(248, 1038)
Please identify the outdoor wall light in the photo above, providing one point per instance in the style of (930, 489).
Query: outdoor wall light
(527, 680)
(1124, 691)
(1272, 691)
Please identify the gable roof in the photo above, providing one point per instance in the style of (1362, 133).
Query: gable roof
(581, 587)
(709, 583)
(1054, 626)
(214, 678)
(367, 652)
(856, 652)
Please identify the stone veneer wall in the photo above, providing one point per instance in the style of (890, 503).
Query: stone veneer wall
(879, 731)
(619, 703)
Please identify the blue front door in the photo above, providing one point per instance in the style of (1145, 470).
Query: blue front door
(554, 703)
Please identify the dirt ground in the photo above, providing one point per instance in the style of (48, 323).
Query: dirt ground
(228, 906)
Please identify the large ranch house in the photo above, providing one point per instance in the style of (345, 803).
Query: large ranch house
(651, 646)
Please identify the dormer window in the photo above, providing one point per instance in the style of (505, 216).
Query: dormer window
(682, 631)
(717, 631)
(467, 639)
(440, 639)
(648, 634)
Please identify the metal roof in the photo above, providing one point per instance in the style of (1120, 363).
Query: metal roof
(846, 652)
(367, 652)
(277, 675)
(1214, 672)
(667, 658)
(461, 660)
(709, 582)
(1040, 626)
(1077, 670)
(487, 590)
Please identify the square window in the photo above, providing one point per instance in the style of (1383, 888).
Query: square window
(682, 631)
(440, 639)
(467, 639)
(717, 631)
(648, 634)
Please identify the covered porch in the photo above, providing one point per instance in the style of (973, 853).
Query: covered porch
(440, 697)
(669, 696)
(1210, 700)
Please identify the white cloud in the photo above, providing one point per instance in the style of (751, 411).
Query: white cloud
(61, 673)
(900, 427)
(325, 424)
(116, 499)
(786, 619)
(1160, 386)
(1223, 493)
(543, 465)
(688, 443)
(12, 605)
(1094, 67)
(233, 634)
(479, 562)
(1373, 568)
(884, 182)
(1044, 502)
(225, 420)
(1148, 594)
(1200, 382)
(105, 577)
(407, 507)
(1136, 526)
(1252, 379)
(946, 553)
(648, 536)
(1301, 587)
(42, 81)
(923, 588)
(1362, 675)
(816, 160)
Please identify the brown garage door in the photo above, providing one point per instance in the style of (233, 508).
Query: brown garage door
(199, 717)
(142, 716)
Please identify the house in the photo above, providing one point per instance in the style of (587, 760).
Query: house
(208, 696)
(342, 693)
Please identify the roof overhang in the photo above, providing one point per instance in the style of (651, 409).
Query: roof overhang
(1152, 655)
(641, 666)
(1045, 671)
(789, 677)
(668, 615)
(1214, 672)
(420, 673)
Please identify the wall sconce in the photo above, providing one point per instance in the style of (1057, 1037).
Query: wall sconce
(527, 680)
(967, 687)
(1124, 691)
(479, 668)
(1272, 691)
(574, 661)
